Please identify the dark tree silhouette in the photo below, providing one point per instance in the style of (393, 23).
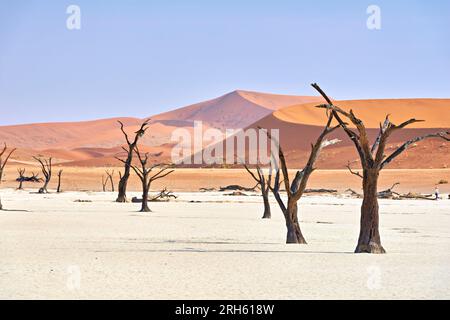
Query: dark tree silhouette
(122, 196)
(58, 188)
(110, 175)
(3, 164)
(373, 160)
(104, 183)
(144, 172)
(264, 184)
(21, 178)
(46, 167)
(296, 189)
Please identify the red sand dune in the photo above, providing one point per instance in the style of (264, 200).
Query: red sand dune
(301, 124)
(236, 109)
(435, 112)
(96, 143)
(88, 142)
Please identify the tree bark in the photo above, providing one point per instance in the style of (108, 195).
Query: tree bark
(267, 214)
(145, 207)
(58, 188)
(369, 237)
(44, 187)
(122, 196)
(294, 234)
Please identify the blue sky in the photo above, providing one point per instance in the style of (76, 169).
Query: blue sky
(138, 58)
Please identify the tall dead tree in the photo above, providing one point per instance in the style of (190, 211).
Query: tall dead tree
(58, 189)
(122, 196)
(264, 184)
(21, 178)
(46, 167)
(3, 164)
(296, 189)
(373, 160)
(144, 172)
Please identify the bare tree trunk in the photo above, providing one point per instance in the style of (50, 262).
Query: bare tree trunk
(145, 190)
(294, 234)
(58, 189)
(265, 194)
(122, 196)
(46, 167)
(369, 237)
(111, 179)
(44, 187)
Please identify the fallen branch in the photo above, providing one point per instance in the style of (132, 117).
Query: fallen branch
(320, 191)
(235, 187)
(207, 189)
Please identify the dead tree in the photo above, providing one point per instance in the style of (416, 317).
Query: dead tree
(104, 183)
(296, 189)
(110, 178)
(58, 189)
(236, 187)
(46, 167)
(144, 173)
(21, 178)
(122, 196)
(3, 164)
(164, 195)
(373, 160)
(33, 178)
(264, 185)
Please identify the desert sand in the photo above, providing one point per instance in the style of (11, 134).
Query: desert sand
(212, 246)
(191, 179)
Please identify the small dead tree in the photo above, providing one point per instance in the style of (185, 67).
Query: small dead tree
(373, 160)
(122, 196)
(21, 178)
(296, 189)
(58, 189)
(264, 185)
(46, 167)
(104, 183)
(110, 175)
(144, 172)
(3, 164)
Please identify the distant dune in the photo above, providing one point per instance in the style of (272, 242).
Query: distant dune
(435, 112)
(66, 135)
(96, 143)
(300, 125)
(237, 109)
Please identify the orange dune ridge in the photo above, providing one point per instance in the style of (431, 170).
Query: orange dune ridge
(435, 112)
(300, 125)
(96, 143)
